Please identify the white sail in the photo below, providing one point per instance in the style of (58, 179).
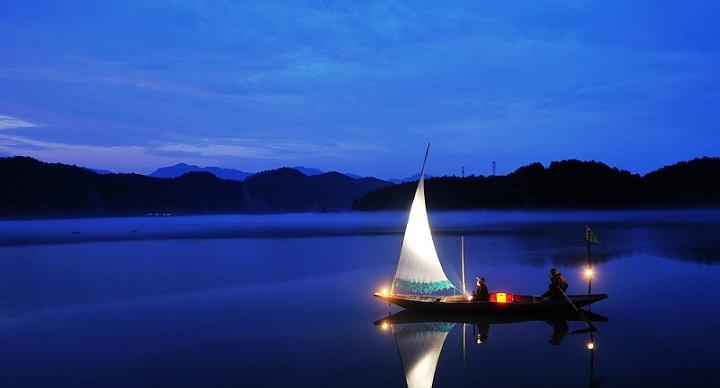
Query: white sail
(419, 268)
(419, 346)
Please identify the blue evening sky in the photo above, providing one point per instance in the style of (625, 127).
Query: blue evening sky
(358, 86)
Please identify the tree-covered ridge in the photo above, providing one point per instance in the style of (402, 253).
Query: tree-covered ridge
(31, 188)
(564, 184)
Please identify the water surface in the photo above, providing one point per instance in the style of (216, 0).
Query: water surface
(285, 300)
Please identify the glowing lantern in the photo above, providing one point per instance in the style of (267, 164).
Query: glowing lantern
(501, 297)
(589, 273)
(385, 326)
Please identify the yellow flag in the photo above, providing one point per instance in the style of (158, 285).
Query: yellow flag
(590, 236)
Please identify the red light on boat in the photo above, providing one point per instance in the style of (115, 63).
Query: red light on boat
(502, 297)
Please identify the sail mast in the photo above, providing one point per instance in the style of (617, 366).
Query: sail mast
(422, 170)
(462, 262)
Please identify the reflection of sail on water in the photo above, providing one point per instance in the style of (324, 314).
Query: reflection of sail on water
(419, 268)
(419, 345)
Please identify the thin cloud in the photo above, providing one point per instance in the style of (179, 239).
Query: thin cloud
(8, 122)
(152, 84)
(263, 149)
(208, 149)
(115, 158)
(204, 152)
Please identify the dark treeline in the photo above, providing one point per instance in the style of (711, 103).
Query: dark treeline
(564, 184)
(30, 188)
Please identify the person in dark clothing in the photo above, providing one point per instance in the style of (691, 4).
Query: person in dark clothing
(481, 293)
(558, 285)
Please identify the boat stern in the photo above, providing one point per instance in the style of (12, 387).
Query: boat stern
(584, 300)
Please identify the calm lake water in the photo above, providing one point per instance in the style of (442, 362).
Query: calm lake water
(285, 300)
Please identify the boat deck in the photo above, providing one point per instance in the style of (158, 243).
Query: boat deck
(511, 303)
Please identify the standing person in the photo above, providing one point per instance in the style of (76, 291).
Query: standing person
(558, 285)
(481, 293)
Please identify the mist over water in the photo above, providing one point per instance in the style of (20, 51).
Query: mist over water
(283, 300)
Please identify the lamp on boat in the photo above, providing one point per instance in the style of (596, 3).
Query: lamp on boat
(501, 297)
(384, 291)
(590, 345)
(589, 272)
(469, 298)
(385, 326)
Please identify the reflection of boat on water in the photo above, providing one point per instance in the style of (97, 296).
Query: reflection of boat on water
(556, 319)
(420, 336)
(419, 273)
(410, 316)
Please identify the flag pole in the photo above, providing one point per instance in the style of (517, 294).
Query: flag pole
(589, 238)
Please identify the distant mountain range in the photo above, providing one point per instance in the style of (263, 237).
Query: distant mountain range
(412, 178)
(309, 171)
(224, 173)
(564, 184)
(182, 169)
(31, 188)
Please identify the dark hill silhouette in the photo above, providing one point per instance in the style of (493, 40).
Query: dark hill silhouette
(287, 189)
(564, 184)
(344, 187)
(281, 190)
(686, 183)
(30, 188)
(33, 188)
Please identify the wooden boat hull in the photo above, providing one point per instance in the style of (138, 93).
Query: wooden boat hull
(458, 303)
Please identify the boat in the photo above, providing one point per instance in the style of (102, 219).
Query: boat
(422, 280)
(504, 303)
